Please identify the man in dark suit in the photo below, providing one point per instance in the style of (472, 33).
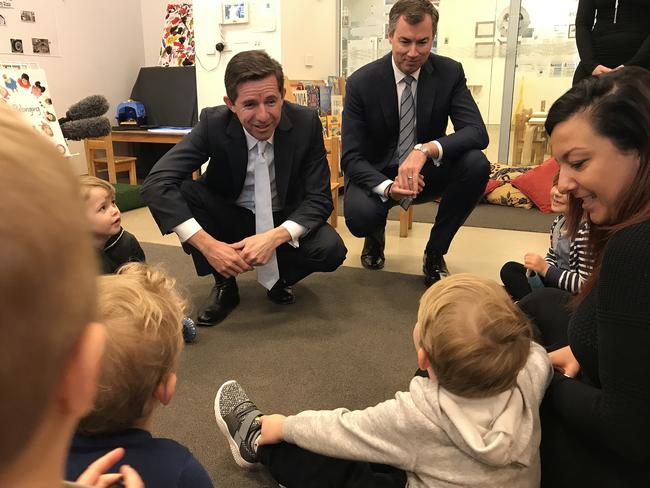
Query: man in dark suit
(265, 198)
(395, 149)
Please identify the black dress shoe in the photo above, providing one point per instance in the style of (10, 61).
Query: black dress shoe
(433, 267)
(372, 255)
(223, 298)
(281, 293)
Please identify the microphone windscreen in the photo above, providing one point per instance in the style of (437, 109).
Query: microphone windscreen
(77, 130)
(92, 106)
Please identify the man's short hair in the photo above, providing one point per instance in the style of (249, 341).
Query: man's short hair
(414, 12)
(475, 337)
(251, 66)
(142, 312)
(87, 183)
(47, 278)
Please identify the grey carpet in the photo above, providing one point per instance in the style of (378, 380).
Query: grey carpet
(484, 215)
(346, 342)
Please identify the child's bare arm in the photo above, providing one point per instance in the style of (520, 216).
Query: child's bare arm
(272, 429)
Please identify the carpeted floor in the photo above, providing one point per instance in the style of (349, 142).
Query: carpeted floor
(484, 215)
(346, 342)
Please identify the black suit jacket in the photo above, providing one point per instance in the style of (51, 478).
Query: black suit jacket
(371, 117)
(301, 170)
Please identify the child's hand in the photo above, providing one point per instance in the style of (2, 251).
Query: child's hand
(272, 429)
(95, 473)
(536, 263)
(565, 362)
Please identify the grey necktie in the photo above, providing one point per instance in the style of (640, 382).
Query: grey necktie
(269, 273)
(406, 139)
(406, 128)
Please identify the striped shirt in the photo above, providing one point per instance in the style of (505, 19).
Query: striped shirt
(580, 263)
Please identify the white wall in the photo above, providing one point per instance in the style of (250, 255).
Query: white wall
(301, 27)
(211, 65)
(309, 28)
(101, 52)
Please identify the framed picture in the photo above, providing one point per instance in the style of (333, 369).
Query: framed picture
(572, 31)
(483, 49)
(484, 29)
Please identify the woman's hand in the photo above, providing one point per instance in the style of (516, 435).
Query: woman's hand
(565, 362)
(600, 69)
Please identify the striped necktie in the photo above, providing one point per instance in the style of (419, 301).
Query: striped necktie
(406, 121)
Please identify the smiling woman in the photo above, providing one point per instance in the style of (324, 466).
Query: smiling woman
(594, 419)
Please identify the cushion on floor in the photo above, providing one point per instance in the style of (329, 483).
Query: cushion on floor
(506, 194)
(127, 197)
(536, 184)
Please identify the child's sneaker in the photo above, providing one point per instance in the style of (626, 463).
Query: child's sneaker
(189, 330)
(237, 418)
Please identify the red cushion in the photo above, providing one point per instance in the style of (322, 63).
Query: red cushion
(491, 185)
(536, 184)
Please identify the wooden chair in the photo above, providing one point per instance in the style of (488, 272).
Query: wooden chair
(405, 221)
(114, 164)
(333, 150)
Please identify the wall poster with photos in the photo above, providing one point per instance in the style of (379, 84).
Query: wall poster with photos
(29, 27)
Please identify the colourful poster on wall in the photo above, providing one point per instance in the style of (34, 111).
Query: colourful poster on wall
(178, 36)
(27, 90)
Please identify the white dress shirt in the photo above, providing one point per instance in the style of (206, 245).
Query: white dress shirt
(246, 198)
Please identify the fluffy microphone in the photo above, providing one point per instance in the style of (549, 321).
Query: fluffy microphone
(77, 130)
(92, 106)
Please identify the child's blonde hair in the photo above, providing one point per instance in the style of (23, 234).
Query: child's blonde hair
(47, 278)
(475, 337)
(142, 312)
(87, 183)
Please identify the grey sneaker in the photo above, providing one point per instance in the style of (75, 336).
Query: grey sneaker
(237, 418)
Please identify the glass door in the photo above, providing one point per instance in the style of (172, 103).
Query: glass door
(468, 33)
(539, 69)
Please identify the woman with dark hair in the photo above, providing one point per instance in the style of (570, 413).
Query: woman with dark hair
(596, 413)
(611, 34)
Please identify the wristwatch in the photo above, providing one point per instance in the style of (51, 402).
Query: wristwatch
(423, 149)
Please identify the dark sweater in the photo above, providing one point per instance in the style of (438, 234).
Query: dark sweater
(161, 463)
(621, 34)
(120, 249)
(598, 427)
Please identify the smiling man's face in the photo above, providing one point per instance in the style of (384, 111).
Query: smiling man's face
(258, 106)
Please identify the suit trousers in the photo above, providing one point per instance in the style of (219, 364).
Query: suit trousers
(550, 314)
(294, 467)
(460, 183)
(321, 250)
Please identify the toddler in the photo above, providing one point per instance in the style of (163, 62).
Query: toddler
(473, 422)
(141, 311)
(566, 265)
